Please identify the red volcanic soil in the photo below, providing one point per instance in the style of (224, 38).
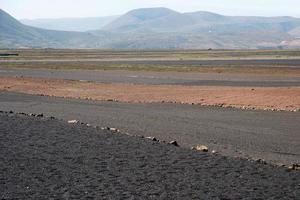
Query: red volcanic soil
(271, 98)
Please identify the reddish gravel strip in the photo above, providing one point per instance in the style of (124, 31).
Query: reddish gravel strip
(42, 158)
(278, 98)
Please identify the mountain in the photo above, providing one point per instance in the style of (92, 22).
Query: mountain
(70, 24)
(14, 34)
(166, 20)
(160, 28)
(148, 20)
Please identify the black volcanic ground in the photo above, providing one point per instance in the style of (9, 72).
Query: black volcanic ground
(272, 136)
(158, 78)
(44, 158)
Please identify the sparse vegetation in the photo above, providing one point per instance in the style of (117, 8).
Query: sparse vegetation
(62, 59)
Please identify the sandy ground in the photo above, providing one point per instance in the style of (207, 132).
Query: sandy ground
(279, 98)
(42, 158)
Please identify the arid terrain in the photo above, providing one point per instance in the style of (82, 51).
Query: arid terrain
(45, 158)
(271, 98)
(242, 105)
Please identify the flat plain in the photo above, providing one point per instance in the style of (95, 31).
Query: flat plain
(240, 104)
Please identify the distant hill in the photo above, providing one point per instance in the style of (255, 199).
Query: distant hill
(14, 34)
(148, 20)
(70, 24)
(166, 20)
(159, 28)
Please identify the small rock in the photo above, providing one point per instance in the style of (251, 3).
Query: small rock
(295, 167)
(32, 115)
(261, 161)
(213, 151)
(174, 143)
(114, 130)
(73, 121)
(88, 125)
(11, 112)
(202, 148)
(152, 138)
(40, 115)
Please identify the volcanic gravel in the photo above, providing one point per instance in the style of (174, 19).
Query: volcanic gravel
(171, 62)
(159, 78)
(272, 136)
(43, 158)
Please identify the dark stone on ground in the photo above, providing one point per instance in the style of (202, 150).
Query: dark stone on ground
(272, 136)
(51, 159)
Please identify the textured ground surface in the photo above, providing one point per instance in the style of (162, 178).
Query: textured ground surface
(156, 78)
(283, 98)
(43, 158)
(273, 136)
(168, 62)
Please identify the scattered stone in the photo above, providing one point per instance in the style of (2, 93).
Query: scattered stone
(175, 143)
(152, 138)
(73, 121)
(88, 125)
(40, 115)
(11, 112)
(32, 114)
(114, 130)
(261, 161)
(202, 148)
(213, 151)
(295, 167)
(51, 117)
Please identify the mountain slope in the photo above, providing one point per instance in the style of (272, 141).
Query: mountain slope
(161, 28)
(14, 34)
(70, 24)
(166, 20)
(149, 20)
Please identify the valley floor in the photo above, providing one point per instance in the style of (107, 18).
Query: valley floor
(191, 97)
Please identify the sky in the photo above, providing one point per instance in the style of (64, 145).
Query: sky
(32, 9)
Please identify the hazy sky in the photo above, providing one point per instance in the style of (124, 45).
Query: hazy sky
(89, 8)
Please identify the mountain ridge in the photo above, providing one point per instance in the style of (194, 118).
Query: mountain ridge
(70, 24)
(161, 28)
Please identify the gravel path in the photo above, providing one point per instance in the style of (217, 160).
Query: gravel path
(163, 61)
(273, 136)
(156, 78)
(50, 159)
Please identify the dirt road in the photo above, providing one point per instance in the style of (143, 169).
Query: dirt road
(273, 136)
